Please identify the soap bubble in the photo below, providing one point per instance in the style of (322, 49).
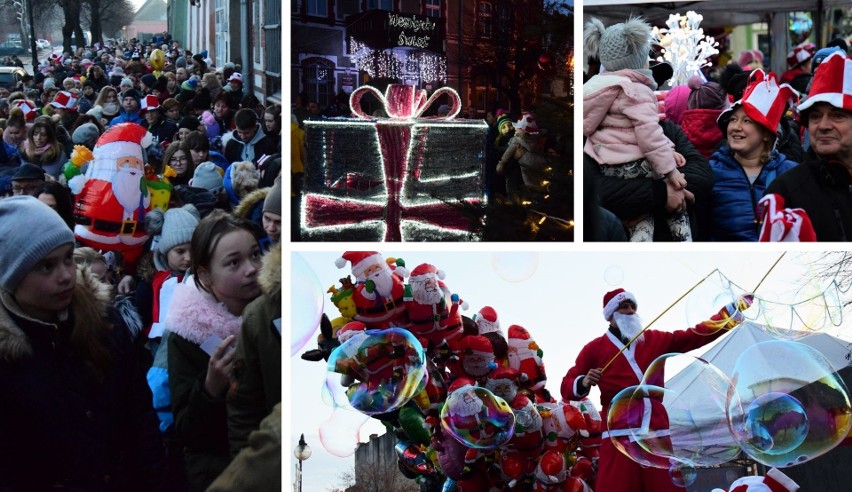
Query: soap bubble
(477, 418)
(776, 423)
(306, 302)
(682, 423)
(385, 368)
(515, 267)
(776, 382)
(683, 473)
(339, 434)
(711, 295)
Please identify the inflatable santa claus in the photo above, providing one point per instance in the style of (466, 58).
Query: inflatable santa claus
(113, 197)
(433, 313)
(379, 289)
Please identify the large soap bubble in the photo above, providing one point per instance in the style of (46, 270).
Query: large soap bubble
(678, 425)
(793, 406)
(306, 302)
(383, 369)
(478, 418)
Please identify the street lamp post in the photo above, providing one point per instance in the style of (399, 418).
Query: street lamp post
(302, 452)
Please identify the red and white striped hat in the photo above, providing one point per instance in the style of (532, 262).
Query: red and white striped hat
(236, 76)
(65, 100)
(764, 101)
(832, 83)
(527, 124)
(28, 107)
(149, 102)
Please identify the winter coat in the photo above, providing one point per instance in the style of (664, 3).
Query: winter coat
(52, 168)
(235, 150)
(734, 204)
(821, 188)
(58, 425)
(125, 117)
(256, 384)
(200, 419)
(701, 129)
(258, 466)
(620, 121)
(532, 161)
(163, 131)
(631, 198)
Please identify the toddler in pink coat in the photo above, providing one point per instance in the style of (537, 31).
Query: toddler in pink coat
(621, 118)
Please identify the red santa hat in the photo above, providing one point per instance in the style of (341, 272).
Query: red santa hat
(505, 374)
(764, 101)
(123, 140)
(797, 56)
(613, 298)
(148, 103)
(486, 320)
(476, 345)
(460, 382)
(832, 83)
(361, 261)
(774, 481)
(64, 100)
(518, 332)
(426, 271)
(349, 329)
(552, 468)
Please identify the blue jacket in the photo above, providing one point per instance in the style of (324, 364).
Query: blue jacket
(125, 117)
(734, 203)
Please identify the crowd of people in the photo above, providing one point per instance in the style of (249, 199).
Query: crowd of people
(151, 364)
(736, 154)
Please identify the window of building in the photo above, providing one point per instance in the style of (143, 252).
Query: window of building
(484, 19)
(221, 34)
(433, 8)
(318, 8)
(272, 46)
(380, 4)
(319, 80)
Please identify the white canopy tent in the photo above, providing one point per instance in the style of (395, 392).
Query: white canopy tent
(721, 13)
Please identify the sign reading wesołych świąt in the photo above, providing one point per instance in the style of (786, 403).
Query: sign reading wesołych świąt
(381, 30)
(414, 31)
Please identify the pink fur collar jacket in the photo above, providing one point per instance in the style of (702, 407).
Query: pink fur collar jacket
(196, 315)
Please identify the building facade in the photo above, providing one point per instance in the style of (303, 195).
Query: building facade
(244, 32)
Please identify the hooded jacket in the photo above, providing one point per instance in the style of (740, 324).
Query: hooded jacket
(59, 425)
(125, 117)
(236, 150)
(200, 419)
(621, 121)
(734, 206)
(256, 384)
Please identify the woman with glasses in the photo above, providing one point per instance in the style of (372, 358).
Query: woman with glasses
(180, 160)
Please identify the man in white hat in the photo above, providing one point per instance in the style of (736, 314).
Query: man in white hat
(820, 185)
(617, 472)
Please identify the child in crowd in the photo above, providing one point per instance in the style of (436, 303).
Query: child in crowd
(621, 117)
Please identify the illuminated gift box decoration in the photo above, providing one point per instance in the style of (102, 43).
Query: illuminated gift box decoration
(395, 178)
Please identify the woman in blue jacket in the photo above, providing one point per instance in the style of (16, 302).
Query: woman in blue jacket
(745, 164)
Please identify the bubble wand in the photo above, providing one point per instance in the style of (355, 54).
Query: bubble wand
(677, 301)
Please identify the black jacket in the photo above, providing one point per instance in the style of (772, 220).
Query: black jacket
(631, 198)
(822, 189)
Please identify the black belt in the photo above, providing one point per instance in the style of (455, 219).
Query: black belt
(125, 227)
(434, 317)
(392, 304)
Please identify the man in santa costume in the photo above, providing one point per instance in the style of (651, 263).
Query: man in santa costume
(617, 472)
(774, 481)
(112, 197)
(379, 289)
(433, 314)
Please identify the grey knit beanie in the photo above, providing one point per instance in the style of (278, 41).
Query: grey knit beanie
(86, 134)
(208, 176)
(29, 231)
(620, 46)
(180, 62)
(272, 202)
(177, 227)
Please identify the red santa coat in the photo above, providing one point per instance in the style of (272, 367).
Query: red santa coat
(103, 224)
(616, 471)
(523, 356)
(433, 323)
(377, 311)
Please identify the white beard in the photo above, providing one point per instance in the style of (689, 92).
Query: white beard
(425, 295)
(125, 187)
(630, 325)
(468, 404)
(383, 280)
